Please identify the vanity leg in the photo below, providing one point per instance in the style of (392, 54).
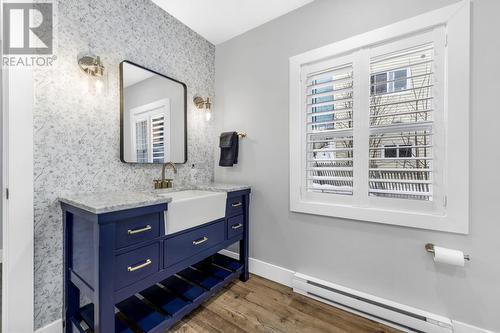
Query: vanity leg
(104, 308)
(71, 305)
(71, 292)
(105, 315)
(244, 260)
(244, 244)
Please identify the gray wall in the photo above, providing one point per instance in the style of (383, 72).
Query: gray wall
(388, 261)
(76, 136)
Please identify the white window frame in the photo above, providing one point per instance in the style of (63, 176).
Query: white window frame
(453, 196)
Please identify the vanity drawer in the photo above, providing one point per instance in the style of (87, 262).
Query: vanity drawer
(235, 226)
(234, 206)
(189, 243)
(135, 265)
(137, 229)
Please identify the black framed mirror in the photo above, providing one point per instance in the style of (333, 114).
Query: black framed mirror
(153, 116)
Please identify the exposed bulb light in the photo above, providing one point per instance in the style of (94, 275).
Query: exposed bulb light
(98, 86)
(204, 104)
(93, 67)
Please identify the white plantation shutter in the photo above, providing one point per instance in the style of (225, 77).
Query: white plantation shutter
(151, 136)
(398, 121)
(158, 138)
(141, 144)
(372, 112)
(401, 117)
(329, 130)
(379, 124)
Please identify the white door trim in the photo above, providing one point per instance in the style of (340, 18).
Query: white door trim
(17, 215)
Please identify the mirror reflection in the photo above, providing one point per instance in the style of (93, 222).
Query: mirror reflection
(153, 116)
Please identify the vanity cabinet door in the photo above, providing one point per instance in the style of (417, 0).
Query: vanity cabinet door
(235, 226)
(135, 265)
(137, 229)
(187, 244)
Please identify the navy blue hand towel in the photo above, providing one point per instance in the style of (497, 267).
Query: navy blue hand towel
(228, 149)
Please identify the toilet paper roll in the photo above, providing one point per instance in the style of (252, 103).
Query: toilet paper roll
(448, 256)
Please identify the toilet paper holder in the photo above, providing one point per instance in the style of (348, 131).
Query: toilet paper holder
(429, 247)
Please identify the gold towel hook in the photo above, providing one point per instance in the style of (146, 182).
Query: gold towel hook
(242, 135)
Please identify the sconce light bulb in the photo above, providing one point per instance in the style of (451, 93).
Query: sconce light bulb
(208, 115)
(98, 86)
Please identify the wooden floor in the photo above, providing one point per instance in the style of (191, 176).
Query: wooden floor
(260, 305)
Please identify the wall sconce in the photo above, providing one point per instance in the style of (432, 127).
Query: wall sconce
(92, 65)
(203, 103)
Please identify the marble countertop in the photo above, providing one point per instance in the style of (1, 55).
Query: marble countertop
(106, 202)
(215, 187)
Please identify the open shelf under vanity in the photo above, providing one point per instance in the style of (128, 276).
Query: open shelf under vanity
(160, 306)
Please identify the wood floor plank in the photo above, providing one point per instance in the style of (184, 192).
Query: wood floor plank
(260, 305)
(185, 327)
(204, 320)
(264, 294)
(339, 318)
(244, 314)
(265, 297)
(218, 323)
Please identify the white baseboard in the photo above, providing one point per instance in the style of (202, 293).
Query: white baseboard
(279, 275)
(459, 327)
(53, 327)
(269, 271)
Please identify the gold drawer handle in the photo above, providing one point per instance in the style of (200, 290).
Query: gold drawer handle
(236, 204)
(200, 241)
(236, 226)
(144, 264)
(138, 231)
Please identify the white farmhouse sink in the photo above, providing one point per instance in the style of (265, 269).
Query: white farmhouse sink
(192, 208)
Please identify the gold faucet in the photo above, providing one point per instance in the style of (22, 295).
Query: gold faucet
(165, 183)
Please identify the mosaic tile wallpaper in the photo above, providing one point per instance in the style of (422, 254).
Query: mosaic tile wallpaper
(77, 134)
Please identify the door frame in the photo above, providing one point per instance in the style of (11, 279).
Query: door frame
(18, 210)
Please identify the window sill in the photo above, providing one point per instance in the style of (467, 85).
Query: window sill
(429, 221)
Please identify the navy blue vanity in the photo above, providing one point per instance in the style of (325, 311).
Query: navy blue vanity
(134, 276)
